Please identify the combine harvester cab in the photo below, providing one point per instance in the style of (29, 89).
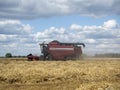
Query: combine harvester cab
(56, 50)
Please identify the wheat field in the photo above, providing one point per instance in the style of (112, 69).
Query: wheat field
(87, 74)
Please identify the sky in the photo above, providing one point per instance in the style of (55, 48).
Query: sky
(26, 23)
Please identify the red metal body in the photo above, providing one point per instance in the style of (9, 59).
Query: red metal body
(61, 51)
(31, 57)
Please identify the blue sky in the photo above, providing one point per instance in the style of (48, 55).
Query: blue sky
(65, 21)
(23, 25)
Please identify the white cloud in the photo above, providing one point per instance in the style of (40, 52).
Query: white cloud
(91, 41)
(50, 34)
(13, 27)
(110, 24)
(3, 38)
(75, 27)
(15, 35)
(24, 9)
(12, 22)
(98, 39)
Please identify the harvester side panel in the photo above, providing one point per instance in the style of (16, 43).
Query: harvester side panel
(60, 51)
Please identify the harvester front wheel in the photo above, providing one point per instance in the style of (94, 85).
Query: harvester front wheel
(50, 57)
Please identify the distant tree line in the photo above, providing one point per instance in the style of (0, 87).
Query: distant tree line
(19, 56)
(110, 55)
(9, 55)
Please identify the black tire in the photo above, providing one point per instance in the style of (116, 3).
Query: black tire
(67, 58)
(50, 57)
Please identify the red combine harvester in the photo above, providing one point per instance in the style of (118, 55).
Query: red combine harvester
(56, 50)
